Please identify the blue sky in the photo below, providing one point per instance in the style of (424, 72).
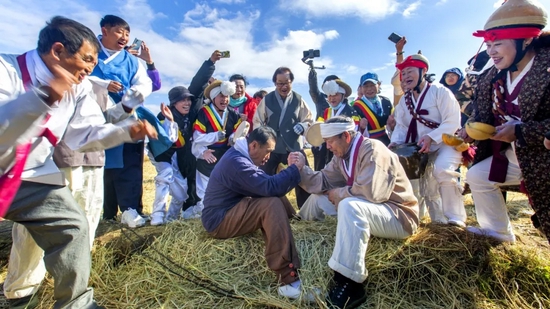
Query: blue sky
(263, 35)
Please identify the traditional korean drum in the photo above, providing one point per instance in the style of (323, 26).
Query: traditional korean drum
(412, 161)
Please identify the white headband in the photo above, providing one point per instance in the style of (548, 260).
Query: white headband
(227, 88)
(335, 128)
(331, 88)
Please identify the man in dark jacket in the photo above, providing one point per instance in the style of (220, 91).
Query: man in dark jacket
(187, 163)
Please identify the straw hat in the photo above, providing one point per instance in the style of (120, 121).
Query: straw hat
(517, 12)
(346, 87)
(214, 84)
(313, 135)
(330, 88)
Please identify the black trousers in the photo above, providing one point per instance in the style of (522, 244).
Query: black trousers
(321, 157)
(271, 168)
(123, 187)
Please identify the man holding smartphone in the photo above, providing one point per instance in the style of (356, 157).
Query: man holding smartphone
(118, 72)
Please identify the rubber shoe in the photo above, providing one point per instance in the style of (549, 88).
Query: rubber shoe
(132, 219)
(511, 238)
(291, 292)
(346, 293)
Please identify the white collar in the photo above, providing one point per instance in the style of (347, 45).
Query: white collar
(39, 72)
(108, 51)
(512, 85)
(420, 94)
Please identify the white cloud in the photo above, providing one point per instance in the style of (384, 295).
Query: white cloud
(498, 3)
(331, 34)
(384, 67)
(441, 2)
(368, 10)
(411, 8)
(201, 31)
(21, 20)
(230, 1)
(202, 13)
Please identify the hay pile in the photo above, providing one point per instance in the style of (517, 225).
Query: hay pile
(440, 267)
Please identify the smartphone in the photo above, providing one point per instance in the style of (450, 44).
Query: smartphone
(137, 44)
(225, 54)
(394, 37)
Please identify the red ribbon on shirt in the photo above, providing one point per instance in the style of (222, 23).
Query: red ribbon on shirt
(11, 180)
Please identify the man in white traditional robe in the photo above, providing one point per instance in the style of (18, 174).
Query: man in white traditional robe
(423, 115)
(45, 95)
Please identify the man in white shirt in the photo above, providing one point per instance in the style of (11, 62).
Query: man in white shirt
(423, 115)
(44, 95)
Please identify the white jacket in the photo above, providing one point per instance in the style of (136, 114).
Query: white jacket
(77, 118)
(443, 108)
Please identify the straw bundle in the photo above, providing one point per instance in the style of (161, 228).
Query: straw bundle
(439, 267)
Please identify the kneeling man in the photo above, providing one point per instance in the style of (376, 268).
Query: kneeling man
(241, 198)
(367, 188)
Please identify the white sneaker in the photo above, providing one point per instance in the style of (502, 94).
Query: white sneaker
(511, 238)
(191, 213)
(292, 292)
(131, 218)
(157, 220)
(458, 223)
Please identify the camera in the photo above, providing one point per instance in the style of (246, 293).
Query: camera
(312, 53)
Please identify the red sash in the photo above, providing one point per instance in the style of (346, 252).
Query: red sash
(11, 180)
(352, 160)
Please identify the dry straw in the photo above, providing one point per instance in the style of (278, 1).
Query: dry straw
(439, 267)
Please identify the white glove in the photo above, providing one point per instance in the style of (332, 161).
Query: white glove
(221, 135)
(132, 99)
(298, 129)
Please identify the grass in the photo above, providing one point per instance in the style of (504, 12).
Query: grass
(439, 267)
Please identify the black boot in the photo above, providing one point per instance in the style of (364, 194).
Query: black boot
(345, 293)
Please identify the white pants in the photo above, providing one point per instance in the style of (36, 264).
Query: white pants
(449, 204)
(168, 181)
(357, 221)
(491, 210)
(316, 207)
(26, 268)
(415, 183)
(202, 183)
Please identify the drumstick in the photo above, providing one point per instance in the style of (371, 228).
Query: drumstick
(225, 122)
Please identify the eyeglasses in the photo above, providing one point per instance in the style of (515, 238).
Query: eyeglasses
(282, 84)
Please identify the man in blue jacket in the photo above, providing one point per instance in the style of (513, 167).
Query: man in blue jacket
(241, 198)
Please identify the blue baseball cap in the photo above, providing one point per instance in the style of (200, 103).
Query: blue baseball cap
(369, 77)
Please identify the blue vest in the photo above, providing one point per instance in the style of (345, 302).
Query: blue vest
(122, 69)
